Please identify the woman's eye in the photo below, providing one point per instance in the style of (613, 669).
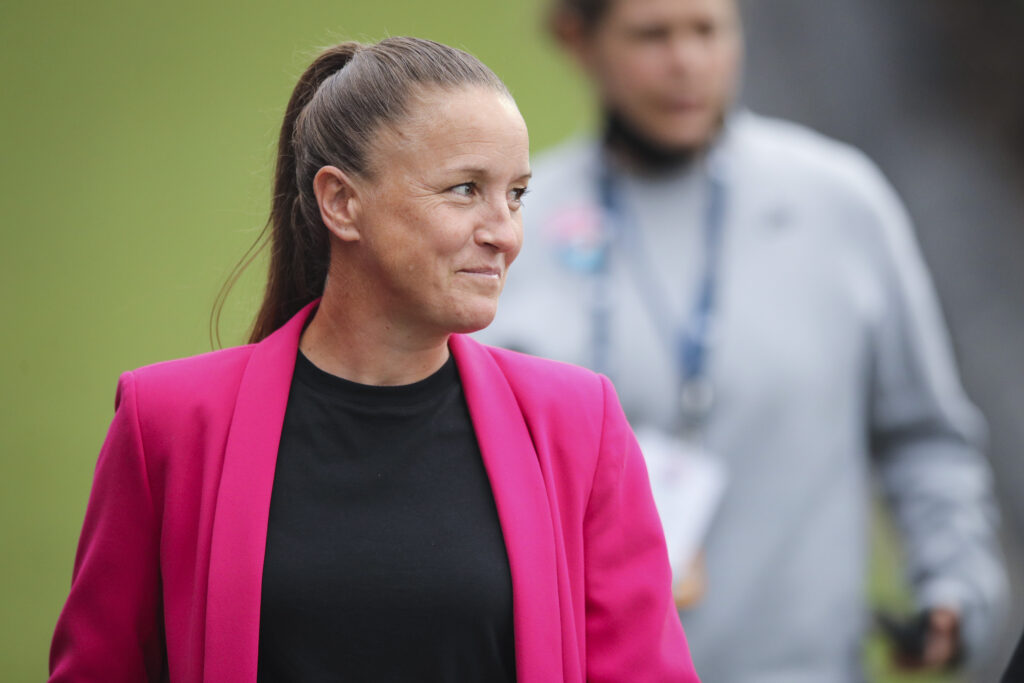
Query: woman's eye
(465, 189)
(516, 194)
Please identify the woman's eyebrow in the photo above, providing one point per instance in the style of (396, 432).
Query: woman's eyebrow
(478, 171)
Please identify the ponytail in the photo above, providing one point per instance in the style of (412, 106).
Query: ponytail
(336, 108)
(300, 251)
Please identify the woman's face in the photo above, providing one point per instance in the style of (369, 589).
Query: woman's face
(440, 210)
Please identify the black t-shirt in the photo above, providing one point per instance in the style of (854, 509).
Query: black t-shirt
(385, 560)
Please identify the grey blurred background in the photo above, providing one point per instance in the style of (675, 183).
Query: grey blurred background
(932, 90)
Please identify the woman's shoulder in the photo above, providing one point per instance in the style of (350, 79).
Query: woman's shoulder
(550, 384)
(168, 386)
(201, 367)
(572, 414)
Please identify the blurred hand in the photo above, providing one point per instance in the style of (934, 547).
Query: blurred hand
(688, 590)
(941, 643)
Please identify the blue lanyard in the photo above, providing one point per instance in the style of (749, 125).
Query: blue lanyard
(689, 343)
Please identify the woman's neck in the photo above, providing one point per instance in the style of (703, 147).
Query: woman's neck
(362, 347)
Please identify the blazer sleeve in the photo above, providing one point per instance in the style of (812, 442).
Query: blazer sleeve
(633, 630)
(110, 628)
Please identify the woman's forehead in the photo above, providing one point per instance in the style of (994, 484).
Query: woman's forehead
(459, 121)
(429, 101)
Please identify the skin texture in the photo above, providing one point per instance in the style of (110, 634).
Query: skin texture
(669, 67)
(421, 244)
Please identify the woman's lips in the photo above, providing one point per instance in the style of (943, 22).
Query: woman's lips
(483, 271)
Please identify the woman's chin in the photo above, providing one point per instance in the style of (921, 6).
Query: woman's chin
(474, 320)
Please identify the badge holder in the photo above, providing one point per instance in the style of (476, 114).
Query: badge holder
(687, 482)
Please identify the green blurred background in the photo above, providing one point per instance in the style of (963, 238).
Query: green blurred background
(137, 142)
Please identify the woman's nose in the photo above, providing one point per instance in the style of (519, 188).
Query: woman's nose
(501, 228)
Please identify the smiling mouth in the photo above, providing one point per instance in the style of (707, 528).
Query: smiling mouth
(484, 271)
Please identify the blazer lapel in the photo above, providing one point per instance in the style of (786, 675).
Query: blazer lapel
(243, 507)
(520, 496)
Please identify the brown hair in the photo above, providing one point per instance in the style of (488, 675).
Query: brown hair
(338, 106)
(588, 12)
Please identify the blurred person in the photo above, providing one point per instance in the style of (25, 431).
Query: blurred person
(363, 492)
(756, 294)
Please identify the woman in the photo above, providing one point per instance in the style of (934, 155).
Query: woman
(363, 493)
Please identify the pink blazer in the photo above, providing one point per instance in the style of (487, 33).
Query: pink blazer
(166, 584)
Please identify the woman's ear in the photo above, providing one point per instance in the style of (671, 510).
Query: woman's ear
(339, 205)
